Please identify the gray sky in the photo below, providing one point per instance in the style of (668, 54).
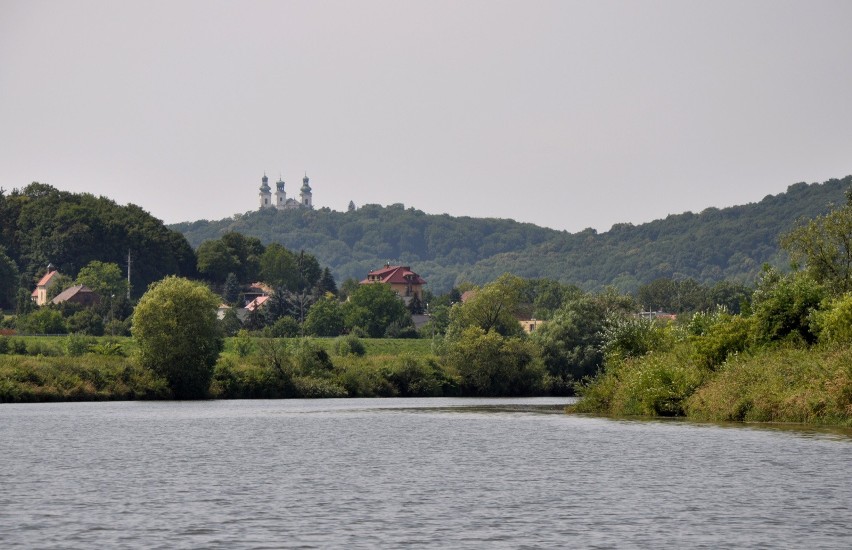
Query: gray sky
(566, 114)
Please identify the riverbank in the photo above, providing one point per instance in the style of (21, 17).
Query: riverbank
(811, 386)
(71, 368)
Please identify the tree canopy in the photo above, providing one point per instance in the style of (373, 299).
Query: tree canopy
(708, 247)
(178, 335)
(40, 225)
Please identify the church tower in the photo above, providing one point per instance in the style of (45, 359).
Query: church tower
(305, 193)
(265, 193)
(280, 194)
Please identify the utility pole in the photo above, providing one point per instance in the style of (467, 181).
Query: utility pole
(128, 276)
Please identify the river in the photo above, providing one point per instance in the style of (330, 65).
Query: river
(425, 473)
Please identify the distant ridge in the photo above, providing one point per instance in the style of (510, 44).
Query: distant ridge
(729, 243)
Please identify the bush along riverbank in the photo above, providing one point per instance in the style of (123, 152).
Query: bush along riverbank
(714, 369)
(96, 369)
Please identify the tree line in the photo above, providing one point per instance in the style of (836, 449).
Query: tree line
(711, 246)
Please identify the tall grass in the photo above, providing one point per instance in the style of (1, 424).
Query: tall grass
(780, 385)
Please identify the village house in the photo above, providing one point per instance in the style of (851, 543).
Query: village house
(39, 295)
(530, 325)
(77, 294)
(401, 279)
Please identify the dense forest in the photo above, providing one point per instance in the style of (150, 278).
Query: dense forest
(40, 225)
(716, 244)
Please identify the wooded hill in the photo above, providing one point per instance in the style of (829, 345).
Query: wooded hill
(41, 225)
(716, 244)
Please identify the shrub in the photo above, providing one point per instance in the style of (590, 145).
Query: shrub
(625, 337)
(284, 327)
(726, 336)
(76, 345)
(780, 385)
(243, 344)
(414, 377)
(108, 348)
(44, 320)
(311, 359)
(834, 324)
(656, 384)
(349, 345)
(493, 365)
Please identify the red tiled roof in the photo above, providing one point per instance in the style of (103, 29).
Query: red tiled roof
(47, 276)
(396, 274)
(256, 303)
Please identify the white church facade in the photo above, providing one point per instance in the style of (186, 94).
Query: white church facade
(279, 199)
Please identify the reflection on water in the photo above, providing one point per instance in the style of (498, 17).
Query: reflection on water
(368, 473)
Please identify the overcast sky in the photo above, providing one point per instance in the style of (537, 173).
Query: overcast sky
(567, 114)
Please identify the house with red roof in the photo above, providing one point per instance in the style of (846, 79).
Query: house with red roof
(406, 283)
(39, 295)
(257, 303)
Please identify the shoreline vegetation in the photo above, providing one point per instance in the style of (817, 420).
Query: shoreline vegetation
(787, 384)
(77, 368)
(776, 349)
(784, 385)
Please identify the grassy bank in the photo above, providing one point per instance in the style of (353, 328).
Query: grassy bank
(90, 377)
(774, 385)
(70, 368)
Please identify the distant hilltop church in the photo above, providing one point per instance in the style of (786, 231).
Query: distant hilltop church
(281, 202)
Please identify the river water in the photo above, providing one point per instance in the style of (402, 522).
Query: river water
(430, 473)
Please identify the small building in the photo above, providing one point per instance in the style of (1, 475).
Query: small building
(406, 283)
(257, 303)
(658, 315)
(77, 294)
(39, 295)
(256, 290)
(530, 325)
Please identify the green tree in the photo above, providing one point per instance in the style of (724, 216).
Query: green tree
(493, 365)
(824, 245)
(248, 251)
(278, 267)
(310, 271)
(492, 307)
(23, 302)
(230, 322)
(325, 318)
(348, 287)
(216, 260)
(104, 278)
(231, 289)
(86, 321)
(571, 342)
(44, 320)
(372, 308)
(782, 306)
(9, 280)
(177, 332)
(326, 282)
(835, 322)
